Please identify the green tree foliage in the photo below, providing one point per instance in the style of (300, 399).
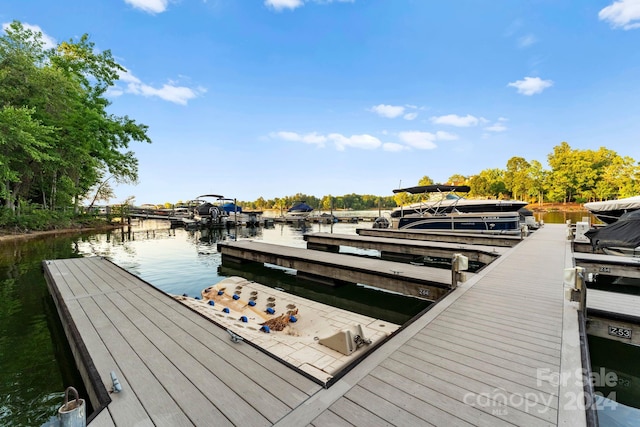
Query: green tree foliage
(57, 140)
(517, 178)
(457, 179)
(488, 183)
(575, 175)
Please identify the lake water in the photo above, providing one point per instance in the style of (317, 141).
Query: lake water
(35, 360)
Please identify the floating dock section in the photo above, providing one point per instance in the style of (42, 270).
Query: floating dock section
(333, 269)
(409, 250)
(490, 353)
(488, 239)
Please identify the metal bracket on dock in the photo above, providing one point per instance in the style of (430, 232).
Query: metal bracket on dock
(459, 263)
(235, 337)
(576, 289)
(116, 387)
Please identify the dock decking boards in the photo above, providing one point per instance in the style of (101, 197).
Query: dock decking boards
(175, 367)
(475, 358)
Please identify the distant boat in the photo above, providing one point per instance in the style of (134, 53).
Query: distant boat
(443, 209)
(210, 213)
(299, 211)
(609, 211)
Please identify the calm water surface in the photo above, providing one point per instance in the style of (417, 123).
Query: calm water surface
(35, 360)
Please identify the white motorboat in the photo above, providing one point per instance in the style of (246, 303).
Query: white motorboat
(443, 209)
(609, 211)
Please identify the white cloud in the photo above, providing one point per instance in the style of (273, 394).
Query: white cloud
(150, 6)
(279, 5)
(392, 146)
(622, 14)
(446, 136)
(169, 92)
(498, 126)
(417, 139)
(531, 85)
(364, 141)
(283, 4)
(388, 111)
(407, 140)
(410, 116)
(49, 42)
(341, 142)
(455, 120)
(527, 41)
(310, 138)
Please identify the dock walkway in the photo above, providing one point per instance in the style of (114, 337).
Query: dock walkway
(488, 354)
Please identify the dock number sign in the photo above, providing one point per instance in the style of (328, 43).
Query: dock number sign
(619, 332)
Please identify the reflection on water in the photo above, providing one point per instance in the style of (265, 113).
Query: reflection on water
(35, 361)
(557, 217)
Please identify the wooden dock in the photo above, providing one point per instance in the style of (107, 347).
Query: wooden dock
(614, 316)
(506, 240)
(403, 248)
(331, 269)
(608, 264)
(488, 354)
(610, 315)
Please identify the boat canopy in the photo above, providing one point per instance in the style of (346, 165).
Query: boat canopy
(629, 203)
(438, 188)
(624, 233)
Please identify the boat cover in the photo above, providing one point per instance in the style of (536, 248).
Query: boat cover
(627, 204)
(624, 233)
(231, 208)
(300, 207)
(433, 189)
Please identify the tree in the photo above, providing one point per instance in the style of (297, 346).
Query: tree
(24, 143)
(537, 180)
(516, 178)
(457, 179)
(489, 183)
(55, 127)
(425, 180)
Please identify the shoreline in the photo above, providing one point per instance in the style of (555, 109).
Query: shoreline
(9, 235)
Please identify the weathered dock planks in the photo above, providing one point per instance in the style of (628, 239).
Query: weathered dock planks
(615, 316)
(419, 281)
(484, 355)
(175, 367)
(488, 354)
(403, 247)
(610, 265)
(487, 239)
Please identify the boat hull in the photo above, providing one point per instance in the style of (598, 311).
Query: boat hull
(498, 222)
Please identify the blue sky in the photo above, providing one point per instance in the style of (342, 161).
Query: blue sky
(249, 98)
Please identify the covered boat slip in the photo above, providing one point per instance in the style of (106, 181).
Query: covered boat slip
(486, 354)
